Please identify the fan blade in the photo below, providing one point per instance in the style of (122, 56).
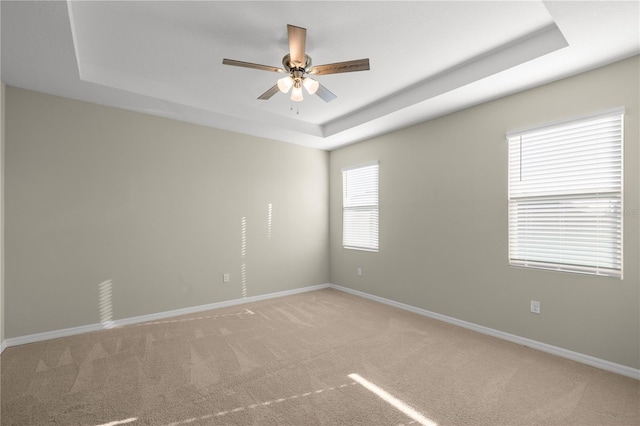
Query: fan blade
(297, 42)
(251, 65)
(325, 94)
(269, 93)
(338, 67)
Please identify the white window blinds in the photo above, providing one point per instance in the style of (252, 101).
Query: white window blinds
(360, 207)
(565, 196)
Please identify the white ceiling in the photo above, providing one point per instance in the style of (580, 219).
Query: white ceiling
(427, 58)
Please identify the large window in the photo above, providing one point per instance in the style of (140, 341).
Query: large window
(565, 196)
(360, 207)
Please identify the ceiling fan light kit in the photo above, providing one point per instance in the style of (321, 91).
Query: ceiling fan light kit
(285, 84)
(297, 64)
(311, 85)
(296, 92)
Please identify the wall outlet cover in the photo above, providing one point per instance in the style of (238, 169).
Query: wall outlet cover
(535, 307)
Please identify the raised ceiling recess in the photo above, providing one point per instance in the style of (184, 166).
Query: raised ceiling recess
(427, 58)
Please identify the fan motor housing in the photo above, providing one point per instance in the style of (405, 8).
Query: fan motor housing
(286, 62)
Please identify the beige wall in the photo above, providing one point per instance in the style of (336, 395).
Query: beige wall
(154, 206)
(443, 222)
(2, 89)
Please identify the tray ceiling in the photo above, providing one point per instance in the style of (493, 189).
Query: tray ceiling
(427, 58)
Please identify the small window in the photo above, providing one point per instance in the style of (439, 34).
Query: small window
(565, 196)
(360, 207)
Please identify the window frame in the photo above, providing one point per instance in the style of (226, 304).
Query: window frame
(352, 239)
(564, 201)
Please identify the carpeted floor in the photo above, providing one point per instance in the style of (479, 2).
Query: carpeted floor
(317, 358)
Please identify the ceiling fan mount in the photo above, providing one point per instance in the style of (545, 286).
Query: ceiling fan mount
(297, 64)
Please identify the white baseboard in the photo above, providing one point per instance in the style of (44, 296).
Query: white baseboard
(38, 337)
(554, 350)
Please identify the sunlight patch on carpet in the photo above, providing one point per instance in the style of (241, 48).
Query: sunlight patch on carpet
(233, 314)
(393, 401)
(119, 422)
(260, 404)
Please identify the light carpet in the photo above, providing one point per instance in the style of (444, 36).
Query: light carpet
(318, 358)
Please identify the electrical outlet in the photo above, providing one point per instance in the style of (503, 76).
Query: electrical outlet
(359, 272)
(226, 278)
(535, 307)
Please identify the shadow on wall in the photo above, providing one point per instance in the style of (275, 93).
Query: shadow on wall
(105, 303)
(105, 288)
(243, 248)
(243, 256)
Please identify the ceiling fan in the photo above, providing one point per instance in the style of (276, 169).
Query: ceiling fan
(297, 64)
